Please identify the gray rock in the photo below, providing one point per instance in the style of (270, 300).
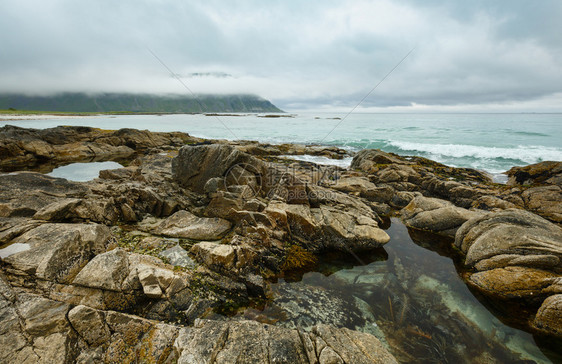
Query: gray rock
(196, 165)
(178, 256)
(42, 316)
(215, 254)
(184, 224)
(58, 211)
(90, 325)
(226, 342)
(57, 251)
(106, 271)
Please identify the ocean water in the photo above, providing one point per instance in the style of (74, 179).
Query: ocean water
(489, 142)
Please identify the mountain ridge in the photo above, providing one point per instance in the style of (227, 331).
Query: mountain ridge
(126, 102)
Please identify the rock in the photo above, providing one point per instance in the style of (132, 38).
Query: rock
(545, 201)
(549, 317)
(225, 342)
(42, 316)
(106, 271)
(178, 256)
(516, 283)
(154, 280)
(26, 193)
(510, 232)
(214, 254)
(547, 172)
(196, 165)
(24, 148)
(90, 325)
(58, 211)
(184, 224)
(58, 251)
(346, 232)
(369, 159)
(435, 215)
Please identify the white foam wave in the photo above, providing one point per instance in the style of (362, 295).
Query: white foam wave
(527, 154)
(344, 163)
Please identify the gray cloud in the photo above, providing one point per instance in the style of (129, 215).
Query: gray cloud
(312, 55)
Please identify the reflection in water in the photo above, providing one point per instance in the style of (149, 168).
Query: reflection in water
(13, 249)
(82, 172)
(412, 299)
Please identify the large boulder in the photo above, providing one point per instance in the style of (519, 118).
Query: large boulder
(511, 238)
(517, 255)
(435, 215)
(331, 228)
(196, 165)
(58, 251)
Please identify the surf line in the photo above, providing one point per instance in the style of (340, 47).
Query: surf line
(369, 93)
(201, 105)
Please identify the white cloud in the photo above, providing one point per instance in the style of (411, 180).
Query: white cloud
(297, 54)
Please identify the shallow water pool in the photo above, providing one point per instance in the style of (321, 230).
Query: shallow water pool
(82, 172)
(410, 297)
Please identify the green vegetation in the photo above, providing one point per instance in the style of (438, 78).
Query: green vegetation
(84, 104)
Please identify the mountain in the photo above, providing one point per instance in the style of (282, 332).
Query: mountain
(114, 102)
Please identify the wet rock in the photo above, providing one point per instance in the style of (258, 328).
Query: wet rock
(435, 215)
(549, 317)
(22, 148)
(184, 224)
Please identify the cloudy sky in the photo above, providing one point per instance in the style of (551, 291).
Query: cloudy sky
(477, 55)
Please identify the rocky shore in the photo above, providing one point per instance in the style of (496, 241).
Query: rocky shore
(148, 263)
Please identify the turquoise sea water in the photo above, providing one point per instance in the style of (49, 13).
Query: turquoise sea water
(490, 142)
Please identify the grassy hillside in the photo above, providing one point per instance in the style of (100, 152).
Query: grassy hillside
(112, 102)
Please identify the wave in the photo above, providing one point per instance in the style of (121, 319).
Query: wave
(526, 154)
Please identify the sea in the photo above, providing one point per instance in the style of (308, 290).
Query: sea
(489, 142)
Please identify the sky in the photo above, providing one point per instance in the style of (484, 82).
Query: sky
(431, 55)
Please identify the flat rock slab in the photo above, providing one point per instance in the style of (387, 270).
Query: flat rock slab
(184, 224)
(253, 342)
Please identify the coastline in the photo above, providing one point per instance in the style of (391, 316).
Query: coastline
(242, 212)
